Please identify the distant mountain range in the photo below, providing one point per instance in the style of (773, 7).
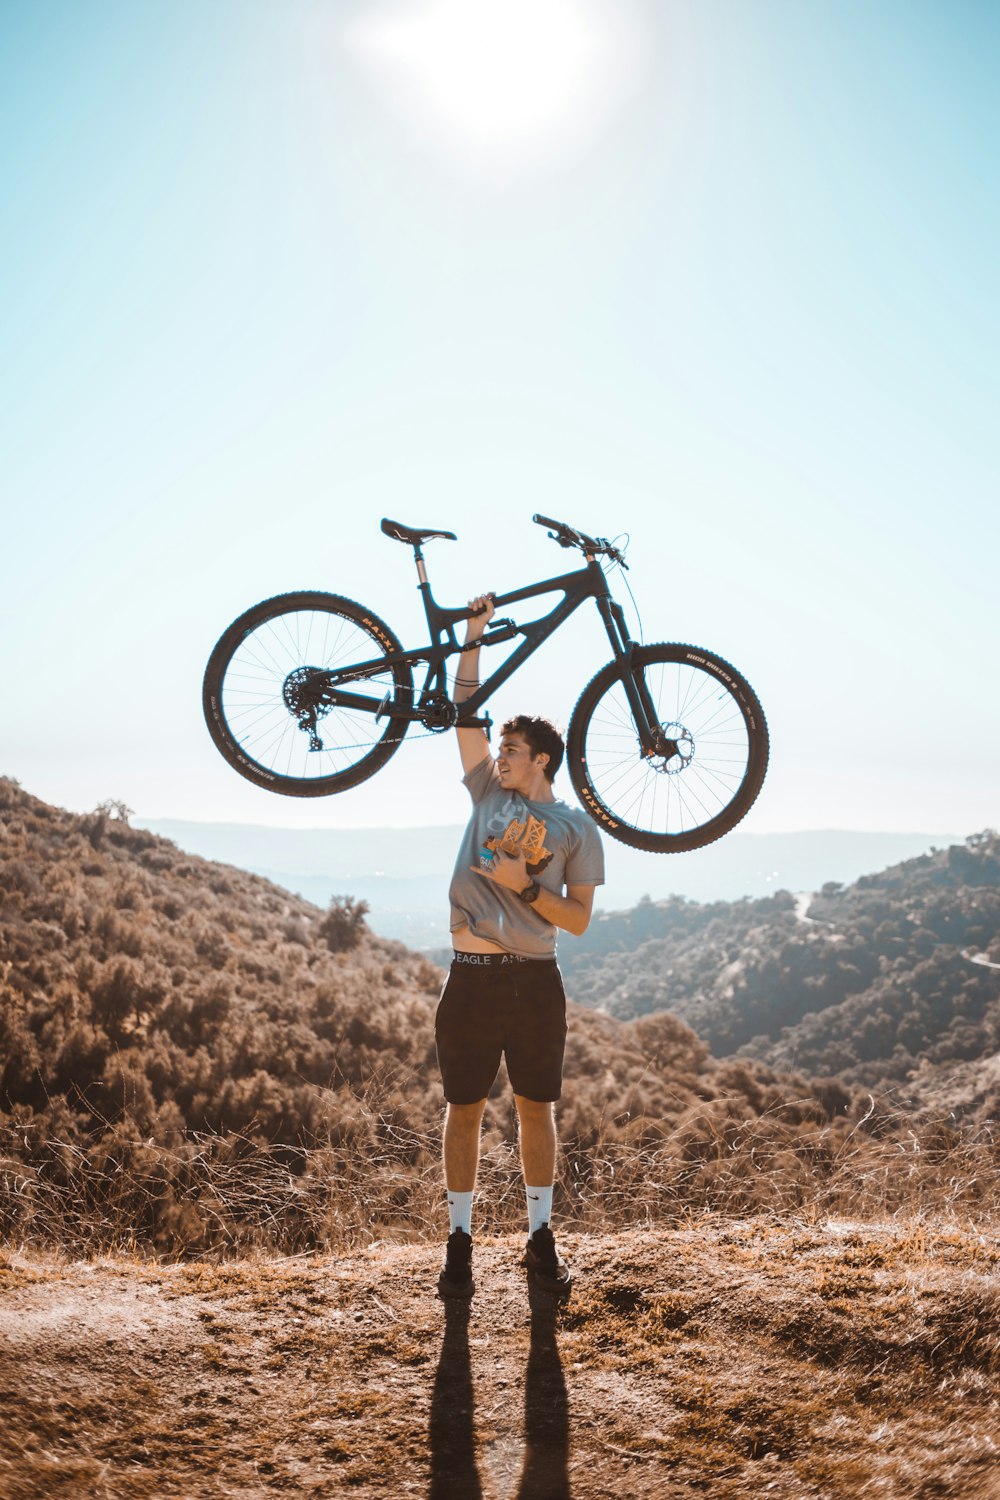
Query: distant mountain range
(404, 873)
(892, 981)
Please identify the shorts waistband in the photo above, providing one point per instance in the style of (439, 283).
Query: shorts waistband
(496, 960)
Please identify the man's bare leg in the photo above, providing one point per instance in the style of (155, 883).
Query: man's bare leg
(538, 1140)
(461, 1145)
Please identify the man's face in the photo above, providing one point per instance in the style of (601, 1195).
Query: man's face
(517, 767)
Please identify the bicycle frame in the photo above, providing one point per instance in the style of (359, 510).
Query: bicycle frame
(434, 706)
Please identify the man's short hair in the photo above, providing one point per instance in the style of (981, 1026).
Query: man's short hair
(541, 737)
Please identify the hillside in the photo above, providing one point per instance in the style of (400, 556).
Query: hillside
(185, 1062)
(224, 1100)
(803, 1361)
(883, 983)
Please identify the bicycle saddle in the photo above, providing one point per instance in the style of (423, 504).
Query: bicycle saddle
(412, 537)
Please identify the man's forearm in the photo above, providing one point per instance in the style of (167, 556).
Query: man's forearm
(562, 911)
(467, 676)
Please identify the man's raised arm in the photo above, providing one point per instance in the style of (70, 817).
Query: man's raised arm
(473, 745)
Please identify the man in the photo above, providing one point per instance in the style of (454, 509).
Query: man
(527, 866)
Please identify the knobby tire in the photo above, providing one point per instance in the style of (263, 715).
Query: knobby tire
(247, 716)
(672, 804)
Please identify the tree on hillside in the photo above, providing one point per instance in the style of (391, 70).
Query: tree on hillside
(344, 925)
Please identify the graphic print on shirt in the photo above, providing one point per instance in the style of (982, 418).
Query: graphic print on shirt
(523, 836)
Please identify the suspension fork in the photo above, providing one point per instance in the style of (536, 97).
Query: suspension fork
(640, 699)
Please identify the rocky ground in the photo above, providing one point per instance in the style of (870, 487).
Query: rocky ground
(726, 1360)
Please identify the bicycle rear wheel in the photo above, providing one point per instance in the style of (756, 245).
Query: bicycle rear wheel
(714, 756)
(264, 711)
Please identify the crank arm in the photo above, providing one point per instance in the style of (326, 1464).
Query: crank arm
(484, 723)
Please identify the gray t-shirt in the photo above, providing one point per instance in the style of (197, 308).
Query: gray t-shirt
(562, 846)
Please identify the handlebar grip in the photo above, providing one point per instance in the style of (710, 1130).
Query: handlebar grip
(568, 536)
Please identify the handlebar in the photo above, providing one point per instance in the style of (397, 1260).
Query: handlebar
(568, 536)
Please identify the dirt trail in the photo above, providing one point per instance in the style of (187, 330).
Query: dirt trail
(722, 1360)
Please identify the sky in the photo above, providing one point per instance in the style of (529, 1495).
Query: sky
(720, 277)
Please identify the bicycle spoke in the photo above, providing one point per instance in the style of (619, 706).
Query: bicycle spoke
(700, 772)
(263, 694)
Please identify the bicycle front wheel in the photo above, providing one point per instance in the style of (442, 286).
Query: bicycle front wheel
(714, 750)
(265, 702)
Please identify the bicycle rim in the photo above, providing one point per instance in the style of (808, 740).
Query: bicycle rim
(714, 761)
(247, 694)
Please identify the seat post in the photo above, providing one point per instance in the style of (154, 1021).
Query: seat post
(418, 558)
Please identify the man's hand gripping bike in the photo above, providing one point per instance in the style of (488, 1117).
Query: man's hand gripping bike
(310, 694)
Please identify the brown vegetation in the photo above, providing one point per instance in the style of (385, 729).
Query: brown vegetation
(194, 1064)
(872, 983)
(185, 1063)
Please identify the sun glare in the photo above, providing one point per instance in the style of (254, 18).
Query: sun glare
(501, 79)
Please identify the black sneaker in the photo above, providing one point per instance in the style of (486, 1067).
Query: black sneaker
(456, 1273)
(545, 1263)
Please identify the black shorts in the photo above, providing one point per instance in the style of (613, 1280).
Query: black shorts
(493, 1005)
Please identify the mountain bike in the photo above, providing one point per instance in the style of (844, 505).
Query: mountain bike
(310, 694)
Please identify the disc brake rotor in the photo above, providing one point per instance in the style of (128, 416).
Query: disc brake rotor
(674, 750)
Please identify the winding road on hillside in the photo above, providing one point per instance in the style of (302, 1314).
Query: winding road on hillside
(980, 959)
(804, 899)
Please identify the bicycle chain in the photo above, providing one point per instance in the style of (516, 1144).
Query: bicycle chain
(426, 734)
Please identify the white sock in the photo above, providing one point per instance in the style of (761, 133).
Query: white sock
(460, 1211)
(539, 1207)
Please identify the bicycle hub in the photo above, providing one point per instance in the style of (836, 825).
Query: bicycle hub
(673, 747)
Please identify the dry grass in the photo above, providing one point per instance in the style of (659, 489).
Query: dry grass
(219, 1196)
(213, 1195)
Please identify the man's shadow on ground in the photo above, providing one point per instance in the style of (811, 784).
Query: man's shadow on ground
(545, 1475)
(454, 1475)
(545, 1472)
